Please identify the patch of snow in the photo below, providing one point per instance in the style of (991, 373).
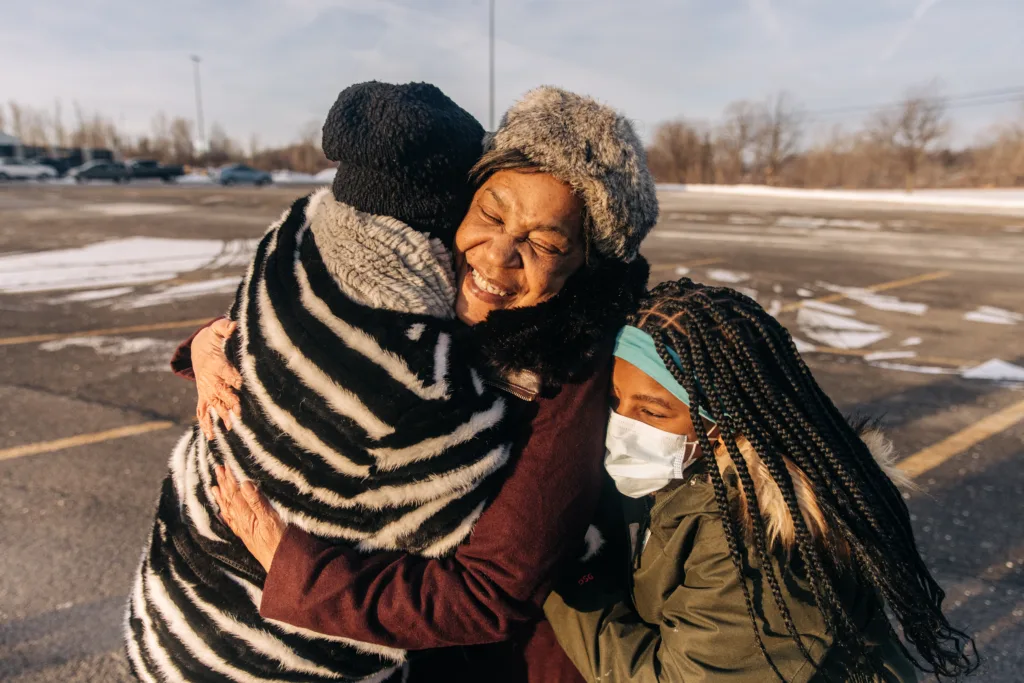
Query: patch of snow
(881, 302)
(911, 341)
(774, 308)
(828, 308)
(732, 277)
(739, 219)
(889, 355)
(777, 288)
(804, 292)
(326, 175)
(920, 369)
(752, 293)
(293, 178)
(993, 315)
(132, 209)
(803, 346)
(92, 295)
(997, 370)
(682, 270)
(190, 290)
(1007, 200)
(859, 225)
(128, 261)
(154, 349)
(804, 222)
(838, 331)
(196, 179)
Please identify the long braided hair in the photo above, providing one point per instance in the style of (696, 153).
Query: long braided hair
(741, 366)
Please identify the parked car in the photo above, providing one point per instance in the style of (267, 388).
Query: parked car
(60, 166)
(17, 169)
(146, 168)
(240, 174)
(101, 170)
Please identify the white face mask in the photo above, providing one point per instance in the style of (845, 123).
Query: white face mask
(641, 458)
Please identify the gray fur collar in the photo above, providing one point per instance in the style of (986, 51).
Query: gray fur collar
(380, 261)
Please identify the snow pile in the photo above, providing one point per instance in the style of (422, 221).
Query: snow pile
(132, 209)
(128, 261)
(995, 370)
(1006, 200)
(993, 315)
(196, 179)
(190, 290)
(285, 177)
(880, 302)
(326, 175)
(833, 326)
(728, 276)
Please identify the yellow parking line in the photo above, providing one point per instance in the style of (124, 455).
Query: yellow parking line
(881, 287)
(82, 440)
(933, 456)
(690, 264)
(152, 327)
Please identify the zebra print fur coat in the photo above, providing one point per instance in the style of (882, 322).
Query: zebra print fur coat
(360, 421)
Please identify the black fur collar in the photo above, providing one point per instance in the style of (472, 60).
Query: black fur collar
(561, 339)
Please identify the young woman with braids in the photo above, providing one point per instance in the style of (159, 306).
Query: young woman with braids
(774, 539)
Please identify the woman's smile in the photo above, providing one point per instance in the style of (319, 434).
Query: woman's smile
(486, 289)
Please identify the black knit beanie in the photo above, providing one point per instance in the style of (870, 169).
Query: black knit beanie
(404, 151)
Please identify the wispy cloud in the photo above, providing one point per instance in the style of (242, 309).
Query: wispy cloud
(271, 66)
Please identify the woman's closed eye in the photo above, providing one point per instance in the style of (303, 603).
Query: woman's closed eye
(491, 217)
(545, 247)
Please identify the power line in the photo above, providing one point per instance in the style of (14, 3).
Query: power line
(978, 98)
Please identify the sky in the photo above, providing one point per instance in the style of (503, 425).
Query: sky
(272, 67)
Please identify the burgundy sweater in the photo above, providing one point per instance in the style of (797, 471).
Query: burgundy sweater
(477, 612)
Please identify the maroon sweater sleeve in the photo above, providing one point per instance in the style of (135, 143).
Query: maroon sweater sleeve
(181, 361)
(494, 582)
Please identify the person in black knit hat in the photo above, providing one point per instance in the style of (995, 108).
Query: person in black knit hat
(358, 418)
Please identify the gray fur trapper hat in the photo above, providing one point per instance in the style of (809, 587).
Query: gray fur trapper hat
(595, 150)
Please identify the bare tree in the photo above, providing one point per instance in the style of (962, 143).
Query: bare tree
(60, 133)
(676, 152)
(17, 120)
(910, 131)
(780, 127)
(182, 147)
(734, 140)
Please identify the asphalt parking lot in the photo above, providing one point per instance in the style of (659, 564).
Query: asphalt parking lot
(912, 316)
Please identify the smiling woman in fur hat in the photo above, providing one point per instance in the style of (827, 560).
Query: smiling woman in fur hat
(546, 270)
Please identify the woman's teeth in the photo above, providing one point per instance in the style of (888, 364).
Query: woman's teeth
(483, 284)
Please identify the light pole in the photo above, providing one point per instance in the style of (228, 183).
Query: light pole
(199, 106)
(491, 119)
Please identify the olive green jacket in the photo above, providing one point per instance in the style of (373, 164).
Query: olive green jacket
(690, 621)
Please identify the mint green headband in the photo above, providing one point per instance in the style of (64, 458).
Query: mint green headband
(636, 347)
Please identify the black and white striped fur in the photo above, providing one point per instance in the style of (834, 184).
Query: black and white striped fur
(358, 421)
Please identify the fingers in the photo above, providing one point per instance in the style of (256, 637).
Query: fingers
(205, 420)
(223, 327)
(225, 372)
(258, 502)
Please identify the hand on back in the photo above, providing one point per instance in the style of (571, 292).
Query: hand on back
(216, 379)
